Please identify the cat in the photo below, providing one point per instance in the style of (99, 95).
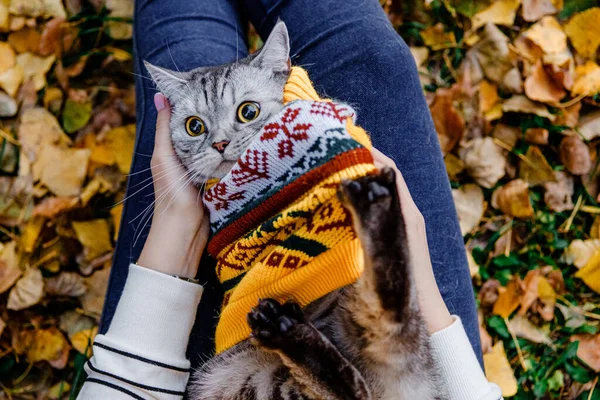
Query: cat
(365, 341)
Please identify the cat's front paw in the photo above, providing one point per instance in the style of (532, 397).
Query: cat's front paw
(273, 323)
(371, 197)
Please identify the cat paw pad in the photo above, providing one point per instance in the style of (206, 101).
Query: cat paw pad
(271, 321)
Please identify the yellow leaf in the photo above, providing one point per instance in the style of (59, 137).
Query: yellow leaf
(469, 203)
(57, 391)
(116, 213)
(502, 12)
(584, 32)
(27, 39)
(499, 371)
(120, 9)
(513, 199)
(420, 54)
(82, 341)
(47, 345)
(521, 104)
(545, 290)
(28, 291)
(121, 141)
(508, 300)
(9, 267)
(39, 129)
(30, 234)
(4, 17)
(580, 251)
(37, 8)
(35, 68)
(488, 96)
(62, 170)
(587, 82)
(548, 34)
(536, 170)
(436, 37)
(94, 236)
(93, 300)
(7, 57)
(590, 273)
(11, 80)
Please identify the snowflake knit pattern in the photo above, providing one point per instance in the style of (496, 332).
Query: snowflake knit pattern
(279, 229)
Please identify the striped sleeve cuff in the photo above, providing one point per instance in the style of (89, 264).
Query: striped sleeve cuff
(458, 366)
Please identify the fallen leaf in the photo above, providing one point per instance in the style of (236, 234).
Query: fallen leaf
(66, 284)
(489, 292)
(522, 327)
(548, 35)
(7, 57)
(537, 136)
(93, 300)
(116, 213)
(484, 161)
(56, 38)
(588, 350)
(569, 116)
(2, 326)
(587, 82)
(512, 81)
(535, 169)
(37, 8)
(527, 49)
(62, 170)
(83, 341)
(575, 155)
(488, 96)
(53, 98)
(437, 38)
(469, 203)
(529, 287)
(513, 199)
(493, 54)
(449, 123)
(558, 195)
(508, 135)
(35, 68)
(589, 125)
(8, 106)
(4, 17)
(536, 9)
(120, 9)
(486, 340)
(94, 236)
(25, 40)
(561, 68)
(420, 54)
(39, 129)
(56, 392)
(76, 115)
(590, 272)
(499, 371)
(52, 206)
(521, 104)
(9, 267)
(11, 80)
(508, 299)
(580, 251)
(501, 12)
(539, 86)
(584, 32)
(46, 345)
(28, 291)
(573, 316)
(30, 234)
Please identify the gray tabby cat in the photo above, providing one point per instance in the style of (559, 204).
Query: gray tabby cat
(364, 341)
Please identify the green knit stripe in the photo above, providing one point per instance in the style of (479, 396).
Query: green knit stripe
(309, 247)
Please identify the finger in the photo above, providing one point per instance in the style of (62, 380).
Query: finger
(162, 140)
(378, 156)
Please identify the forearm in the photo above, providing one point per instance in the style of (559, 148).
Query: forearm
(143, 352)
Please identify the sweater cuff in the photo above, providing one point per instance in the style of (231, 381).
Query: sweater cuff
(458, 365)
(156, 313)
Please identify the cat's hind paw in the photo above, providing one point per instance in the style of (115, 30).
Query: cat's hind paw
(372, 196)
(272, 323)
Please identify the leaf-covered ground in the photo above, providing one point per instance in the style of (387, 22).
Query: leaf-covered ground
(513, 86)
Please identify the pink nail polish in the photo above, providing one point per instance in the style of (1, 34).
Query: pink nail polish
(159, 101)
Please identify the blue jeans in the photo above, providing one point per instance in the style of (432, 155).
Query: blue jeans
(352, 54)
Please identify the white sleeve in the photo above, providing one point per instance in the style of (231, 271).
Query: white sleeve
(459, 369)
(142, 356)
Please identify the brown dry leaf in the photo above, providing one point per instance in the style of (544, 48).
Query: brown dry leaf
(9, 265)
(588, 350)
(513, 199)
(499, 371)
(583, 30)
(527, 49)
(52, 206)
(28, 291)
(2, 326)
(8, 57)
(484, 161)
(508, 299)
(539, 86)
(66, 284)
(561, 68)
(62, 170)
(488, 294)
(94, 236)
(537, 136)
(589, 125)
(536, 9)
(436, 37)
(587, 82)
(535, 170)
(83, 341)
(120, 9)
(488, 96)
(56, 38)
(569, 116)
(521, 104)
(502, 12)
(470, 207)
(25, 40)
(590, 272)
(37, 130)
(420, 54)
(548, 35)
(486, 340)
(508, 135)
(35, 68)
(37, 8)
(11, 80)
(449, 123)
(522, 327)
(530, 292)
(493, 54)
(575, 155)
(93, 300)
(558, 195)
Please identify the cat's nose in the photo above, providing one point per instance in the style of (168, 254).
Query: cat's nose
(220, 146)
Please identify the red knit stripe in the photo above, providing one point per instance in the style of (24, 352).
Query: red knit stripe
(285, 197)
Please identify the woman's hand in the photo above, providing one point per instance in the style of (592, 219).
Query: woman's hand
(432, 305)
(179, 229)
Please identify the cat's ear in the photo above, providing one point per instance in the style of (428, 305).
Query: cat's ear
(275, 54)
(170, 83)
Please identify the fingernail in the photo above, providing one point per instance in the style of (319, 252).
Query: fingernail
(159, 101)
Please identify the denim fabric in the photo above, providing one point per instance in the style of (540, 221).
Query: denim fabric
(353, 54)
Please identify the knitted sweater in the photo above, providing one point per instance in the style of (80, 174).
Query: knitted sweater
(279, 229)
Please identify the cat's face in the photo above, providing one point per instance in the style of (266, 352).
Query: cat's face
(217, 111)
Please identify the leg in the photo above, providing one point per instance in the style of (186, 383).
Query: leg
(353, 54)
(313, 361)
(177, 34)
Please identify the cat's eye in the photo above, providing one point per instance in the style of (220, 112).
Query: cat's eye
(194, 126)
(248, 111)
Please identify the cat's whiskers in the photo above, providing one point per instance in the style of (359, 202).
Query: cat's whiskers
(169, 170)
